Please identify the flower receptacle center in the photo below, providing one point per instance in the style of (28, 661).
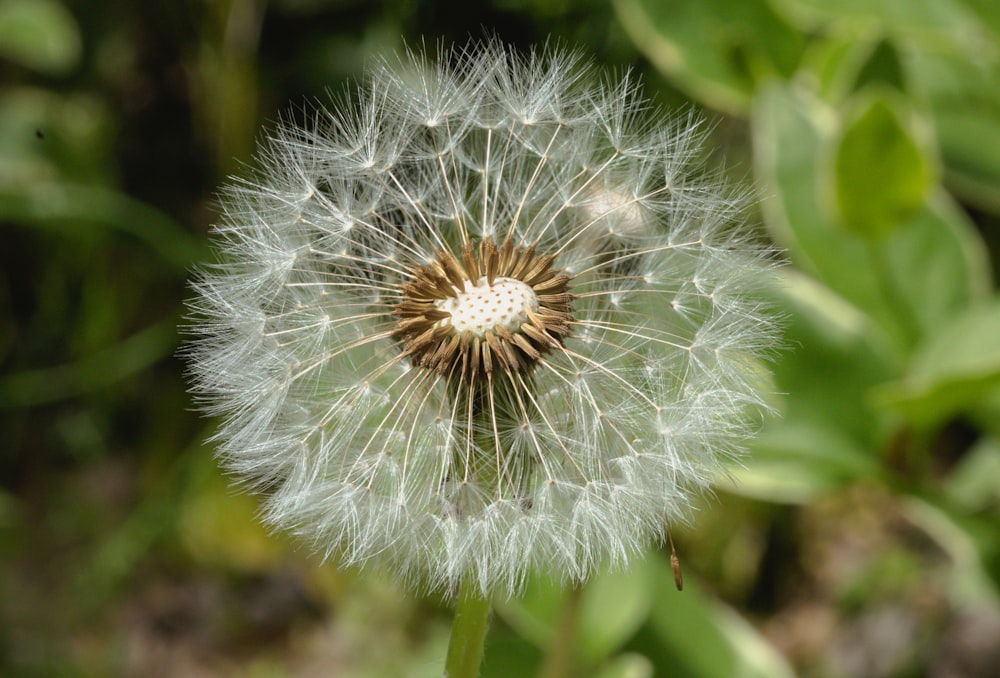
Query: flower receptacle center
(480, 307)
(491, 307)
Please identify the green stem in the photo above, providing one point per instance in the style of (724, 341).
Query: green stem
(560, 661)
(468, 633)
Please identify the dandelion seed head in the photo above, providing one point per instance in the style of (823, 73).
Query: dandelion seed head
(481, 318)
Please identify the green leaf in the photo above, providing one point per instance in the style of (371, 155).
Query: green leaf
(988, 12)
(830, 64)
(963, 97)
(950, 64)
(48, 135)
(715, 49)
(974, 483)
(937, 263)
(99, 370)
(792, 461)
(952, 371)
(788, 143)
(614, 606)
(689, 634)
(972, 543)
(506, 654)
(881, 175)
(535, 613)
(826, 431)
(629, 665)
(838, 64)
(886, 281)
(969, 141)
(79, 210)
(834, 354)
(611, 607)
(882, 67)
(932, 22)
(39, 34)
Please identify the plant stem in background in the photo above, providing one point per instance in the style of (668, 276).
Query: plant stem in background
(468, 632)
(560, 661)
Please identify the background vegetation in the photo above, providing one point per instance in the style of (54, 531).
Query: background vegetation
(861, 538)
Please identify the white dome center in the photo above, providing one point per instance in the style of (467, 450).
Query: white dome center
(482, 306)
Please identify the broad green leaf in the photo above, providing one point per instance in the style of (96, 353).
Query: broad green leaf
(610, 608)
(507, 654)
(936, 264)
(988, 12)
(934, 22)
(830, 64)
(972, 543)
(969, 139)
(535, 613)
(974, 483)
(988, 412)
(963, 97)
(948, 52)
(101, 369)
(715, 49)
(834, 353)
(614, 606)
(628, 665)
(789, 131)
(793, 461)
(46, 136)
(787, 138)
(82, 211)
(949, 82)
(691, 635)
(952, 371)
(881, 174)
(838, 64)
(882, 67)
(886, 281)
(39, 34)
(825, 432)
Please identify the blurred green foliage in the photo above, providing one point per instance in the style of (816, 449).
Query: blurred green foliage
(861, 537)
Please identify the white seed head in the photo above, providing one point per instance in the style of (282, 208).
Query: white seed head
(480, 319)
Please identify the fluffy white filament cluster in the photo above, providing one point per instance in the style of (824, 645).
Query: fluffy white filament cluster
(597, 437)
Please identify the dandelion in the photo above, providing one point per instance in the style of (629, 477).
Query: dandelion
(480, 319)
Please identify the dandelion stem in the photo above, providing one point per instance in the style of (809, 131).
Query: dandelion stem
(468, 632)
(561, 657)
